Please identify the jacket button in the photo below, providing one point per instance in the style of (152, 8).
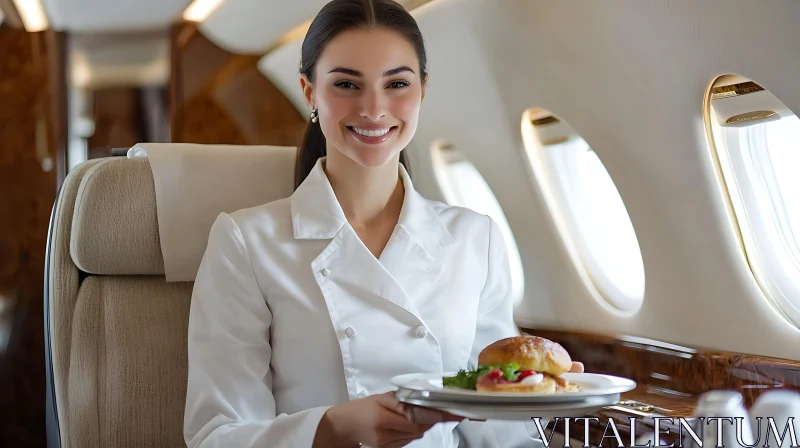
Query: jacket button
(349, 332)
(326, 272)
(420, 332)
(362, 394)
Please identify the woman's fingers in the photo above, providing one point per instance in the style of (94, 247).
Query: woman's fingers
(577, 367)
(381, 420)
(416, 414)
(402, 423)
(421, 414)
(390, 402)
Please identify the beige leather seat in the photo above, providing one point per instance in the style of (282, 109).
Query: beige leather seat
(115, 328)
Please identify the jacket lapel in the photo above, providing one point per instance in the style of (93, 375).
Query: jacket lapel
(410, 263)
(415, 254)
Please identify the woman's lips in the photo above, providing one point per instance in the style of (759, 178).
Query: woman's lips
(371, 140)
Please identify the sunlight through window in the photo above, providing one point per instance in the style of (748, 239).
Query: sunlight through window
(599, 216)
(588, 207)
(782, 144)
(757, 139)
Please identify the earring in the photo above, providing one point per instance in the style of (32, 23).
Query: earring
(314, 116)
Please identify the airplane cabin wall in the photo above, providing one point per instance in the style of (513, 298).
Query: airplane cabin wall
(630, 76)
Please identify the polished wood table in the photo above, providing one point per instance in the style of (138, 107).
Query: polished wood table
(670, 379)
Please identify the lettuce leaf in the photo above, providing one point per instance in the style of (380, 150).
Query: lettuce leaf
(510, 371)
(466, 379)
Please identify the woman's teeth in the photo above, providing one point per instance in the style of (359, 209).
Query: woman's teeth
(372, 132)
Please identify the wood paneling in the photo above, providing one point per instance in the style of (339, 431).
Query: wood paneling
(117, 120)
(670, 378)
(28, 141)
(27, 190)
(220, 97)
(56, 56)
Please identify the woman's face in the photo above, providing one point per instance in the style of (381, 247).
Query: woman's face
(368, 92)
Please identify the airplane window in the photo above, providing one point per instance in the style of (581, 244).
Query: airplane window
(464, 186)
(588, 208)
(757, 141)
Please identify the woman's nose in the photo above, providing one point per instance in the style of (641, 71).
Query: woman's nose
(373, 105)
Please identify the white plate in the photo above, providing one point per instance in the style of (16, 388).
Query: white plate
(499, 411)
(428, 386)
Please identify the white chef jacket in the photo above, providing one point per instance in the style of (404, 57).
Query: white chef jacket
(291, 314)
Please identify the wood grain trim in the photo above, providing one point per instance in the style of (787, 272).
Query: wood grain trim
(178, 33)
(236, 65)
(56, 44)
(669, 377)
(28, 192)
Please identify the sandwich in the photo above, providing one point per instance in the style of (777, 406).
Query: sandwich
(520, 364)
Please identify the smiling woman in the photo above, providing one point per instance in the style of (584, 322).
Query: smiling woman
(383, 281)
(360, 110)
(353, 107)
(372, 133)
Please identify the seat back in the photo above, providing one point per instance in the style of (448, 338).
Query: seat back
(115, 327)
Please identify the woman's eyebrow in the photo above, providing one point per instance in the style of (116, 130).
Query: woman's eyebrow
(358, 74)
(397, 70)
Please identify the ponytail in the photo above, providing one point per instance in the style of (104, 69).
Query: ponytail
(312, 148)
(315, 146)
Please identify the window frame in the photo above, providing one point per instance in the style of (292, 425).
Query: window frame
(541, 129)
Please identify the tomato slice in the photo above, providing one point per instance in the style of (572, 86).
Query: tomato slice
(495, 374)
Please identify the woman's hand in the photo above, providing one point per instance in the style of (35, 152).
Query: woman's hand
(376, 421)
(577, 367)
(425, 416)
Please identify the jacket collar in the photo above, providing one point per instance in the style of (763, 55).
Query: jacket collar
(316, 213)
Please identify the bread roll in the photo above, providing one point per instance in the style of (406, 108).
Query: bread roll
(530, 352)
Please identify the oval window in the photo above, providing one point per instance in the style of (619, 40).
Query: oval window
(464, 186)
(757, 141)
(588, 207)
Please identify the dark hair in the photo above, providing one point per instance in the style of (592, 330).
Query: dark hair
(334, 18)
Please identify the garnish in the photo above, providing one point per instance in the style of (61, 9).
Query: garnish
(466, 379)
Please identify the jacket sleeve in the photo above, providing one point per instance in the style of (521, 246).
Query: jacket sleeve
(229, 399)
(495, 322)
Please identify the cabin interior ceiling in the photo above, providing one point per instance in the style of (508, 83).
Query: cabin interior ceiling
(120, 58)
(238, 26)
(112, 15)
(630, 76)
(251, 26)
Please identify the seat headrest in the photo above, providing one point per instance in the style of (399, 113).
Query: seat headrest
(114, 225)
(150, 213)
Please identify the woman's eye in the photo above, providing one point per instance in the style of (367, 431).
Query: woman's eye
(345, 84)
(350, 85)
